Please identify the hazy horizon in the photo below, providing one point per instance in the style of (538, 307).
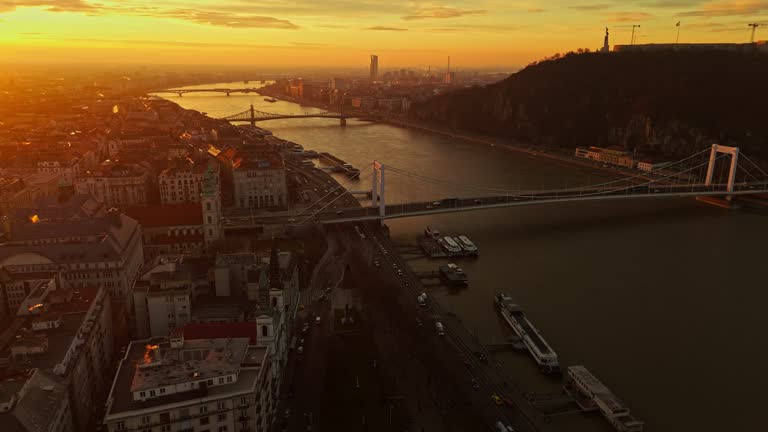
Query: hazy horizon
(343, 33)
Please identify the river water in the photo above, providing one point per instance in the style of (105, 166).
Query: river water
(663, 300)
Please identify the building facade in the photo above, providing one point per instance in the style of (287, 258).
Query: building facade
(260, 184)
(182, 181)
(196, 385)
(65, 347)
(116, 184)
(89, 244)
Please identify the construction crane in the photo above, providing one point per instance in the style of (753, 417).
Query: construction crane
(634, 26)
(754, 27)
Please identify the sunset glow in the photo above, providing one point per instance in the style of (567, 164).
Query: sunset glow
(344, 33)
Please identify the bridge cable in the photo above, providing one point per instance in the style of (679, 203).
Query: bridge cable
(484, 188)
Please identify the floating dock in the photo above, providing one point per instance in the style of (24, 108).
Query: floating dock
(338, 165)
(592, 395)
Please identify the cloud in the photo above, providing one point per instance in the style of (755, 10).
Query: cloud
(536, 10)
(441, 12)
(381, 28)
(214, 45)
(592, 7)
(629, 16)
(199, 16)
(53, 6)
(721, 8)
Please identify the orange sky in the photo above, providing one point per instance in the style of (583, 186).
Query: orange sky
(344, 32)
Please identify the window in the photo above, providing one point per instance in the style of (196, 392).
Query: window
(162, 390)
(120, 426)
(204, 421)
(208, 206)
(204, 408)
(223, 428)
(165, 428)
(264, 330)
(152, 393)
(243, 401)
(165, 417)
(229, 378)
(145, 419)
(222, 417)
(221, 405)
(221, 381)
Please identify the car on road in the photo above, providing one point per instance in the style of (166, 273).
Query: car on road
(376, 263)
(287, 413)
(339, 212)
(301, 307)
(399, 272)
(305, 327)
(322, 297)
(291, 220)
(317, 320)
(429, 207)
(300, 349)
(475, 384)
(497, 400)
(477, 201)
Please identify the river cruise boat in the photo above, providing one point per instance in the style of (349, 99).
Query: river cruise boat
(539, 349)
(466, 244)
(451, 246)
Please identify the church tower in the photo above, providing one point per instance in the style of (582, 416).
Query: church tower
(211, 204)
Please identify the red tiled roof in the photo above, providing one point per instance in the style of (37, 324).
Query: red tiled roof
(167, 215)
(221, 330)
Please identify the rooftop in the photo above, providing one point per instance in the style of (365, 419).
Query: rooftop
(121, 399)
(167, 215)
(197, 360)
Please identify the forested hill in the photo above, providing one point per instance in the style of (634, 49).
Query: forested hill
(671, 103)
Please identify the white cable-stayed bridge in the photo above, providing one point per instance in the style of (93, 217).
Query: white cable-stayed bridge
(719, 171)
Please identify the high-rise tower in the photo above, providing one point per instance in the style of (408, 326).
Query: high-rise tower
(374, 67)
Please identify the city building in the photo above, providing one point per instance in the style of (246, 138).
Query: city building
(260, 183)
(170, 229)
(374, 72)
(163, 294)
(181, 384)
(116, 184)
(90, 244)
(611, 155)
(182, 181)
(67, 166)
(649, 165)
(16, 289)
(56, 363)
(119, 141)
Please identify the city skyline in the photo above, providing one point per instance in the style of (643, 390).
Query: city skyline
(340, 33)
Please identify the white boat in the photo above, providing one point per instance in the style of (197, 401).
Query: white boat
(451, 246)
(540, 350)
(467, 246)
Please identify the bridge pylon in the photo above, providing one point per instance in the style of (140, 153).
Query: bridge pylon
(734, 152)
(377, 190)
(253, 115)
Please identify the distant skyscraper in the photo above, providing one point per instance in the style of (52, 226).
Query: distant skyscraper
(374, 68)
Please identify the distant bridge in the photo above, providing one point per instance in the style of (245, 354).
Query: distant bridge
(252, 116)
(228, 91)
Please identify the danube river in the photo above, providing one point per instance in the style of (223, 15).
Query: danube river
(663, 300)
